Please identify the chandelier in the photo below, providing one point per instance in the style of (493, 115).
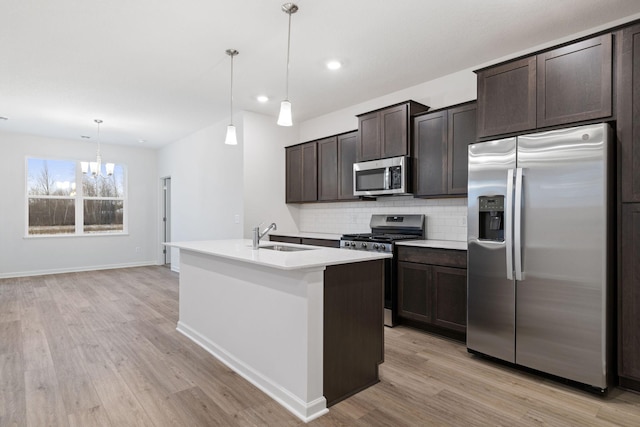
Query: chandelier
(95, 168)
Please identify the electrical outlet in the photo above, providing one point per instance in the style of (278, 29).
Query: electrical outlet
(463, 221)
(236, 219)
(138, 249)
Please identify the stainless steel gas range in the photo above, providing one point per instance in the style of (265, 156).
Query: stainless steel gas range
(385, 231)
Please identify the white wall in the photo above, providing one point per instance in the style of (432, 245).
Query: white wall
(206, 186)
(264, 174)
(20, 256)
(448, 90)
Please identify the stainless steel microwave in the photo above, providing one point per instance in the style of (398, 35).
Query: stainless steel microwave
(381, 177)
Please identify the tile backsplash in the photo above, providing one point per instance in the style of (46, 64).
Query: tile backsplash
(446, 219)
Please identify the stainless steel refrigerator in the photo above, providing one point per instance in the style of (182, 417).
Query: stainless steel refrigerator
(538, 248)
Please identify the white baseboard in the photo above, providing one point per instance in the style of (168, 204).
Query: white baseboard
(75, 269)
(306, 411)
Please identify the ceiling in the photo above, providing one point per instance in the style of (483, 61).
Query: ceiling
(157, 70)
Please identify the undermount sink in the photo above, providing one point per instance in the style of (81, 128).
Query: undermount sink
(283, 248)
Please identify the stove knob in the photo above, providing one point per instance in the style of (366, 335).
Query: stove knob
(364, 245)
(376, 246)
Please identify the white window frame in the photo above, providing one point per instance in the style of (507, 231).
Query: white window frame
(79, 202)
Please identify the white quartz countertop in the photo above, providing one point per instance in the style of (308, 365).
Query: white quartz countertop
(240, 250)
(325, 236)
(440, 244)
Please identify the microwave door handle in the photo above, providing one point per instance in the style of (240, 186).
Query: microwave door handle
(387, 178)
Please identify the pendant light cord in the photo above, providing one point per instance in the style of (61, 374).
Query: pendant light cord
(98, 121)
(231, 94)
(288, 51)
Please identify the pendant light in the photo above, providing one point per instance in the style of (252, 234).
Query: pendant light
(284, 118)
(231, 129)
(95, 168)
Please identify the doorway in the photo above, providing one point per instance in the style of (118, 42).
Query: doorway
(166, 219)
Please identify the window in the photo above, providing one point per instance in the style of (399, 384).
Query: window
(57, 205)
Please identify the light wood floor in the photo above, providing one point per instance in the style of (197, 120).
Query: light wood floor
(101, 349)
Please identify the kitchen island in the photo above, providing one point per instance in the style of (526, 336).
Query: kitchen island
(303, 324)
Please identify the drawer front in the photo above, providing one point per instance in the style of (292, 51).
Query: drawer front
(433, 256)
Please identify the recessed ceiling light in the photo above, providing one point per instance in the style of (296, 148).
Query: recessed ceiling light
(334, 65)
(85, 137)
(262, 98)
(142, 141)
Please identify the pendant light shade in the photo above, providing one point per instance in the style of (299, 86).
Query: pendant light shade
(284, 118)
(231, 138)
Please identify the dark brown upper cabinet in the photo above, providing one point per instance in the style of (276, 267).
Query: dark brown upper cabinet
(347, 148)
(302, 173)
(430, 153)
(321, 170)
(440, 143)
(507, 98)
(566, 85)
(328, 169)
(628, 124)
(336, 156)
(386, 132)
(462, 132)
(574, 82)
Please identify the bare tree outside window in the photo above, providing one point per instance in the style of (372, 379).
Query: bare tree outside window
(104, 202)
(52, 197)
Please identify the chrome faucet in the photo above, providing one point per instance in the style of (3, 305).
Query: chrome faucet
(257, 235)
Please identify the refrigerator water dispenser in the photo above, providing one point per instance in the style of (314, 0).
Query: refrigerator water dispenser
(491, 218)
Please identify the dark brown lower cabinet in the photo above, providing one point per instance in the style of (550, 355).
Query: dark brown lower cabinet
(304, 241)
(284, 239)
(432, 290)
(629, 299)
(353, 328)
(450, 298)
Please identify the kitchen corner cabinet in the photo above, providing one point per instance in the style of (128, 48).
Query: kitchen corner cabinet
(386, 132)
(302, 173)
(566, 85)
(432, 289)
(440, 143)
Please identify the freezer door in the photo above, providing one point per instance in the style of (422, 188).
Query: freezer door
(490, 294)
(561, 299)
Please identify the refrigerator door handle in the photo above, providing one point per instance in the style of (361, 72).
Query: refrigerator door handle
(508, 224)
(517, 226)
